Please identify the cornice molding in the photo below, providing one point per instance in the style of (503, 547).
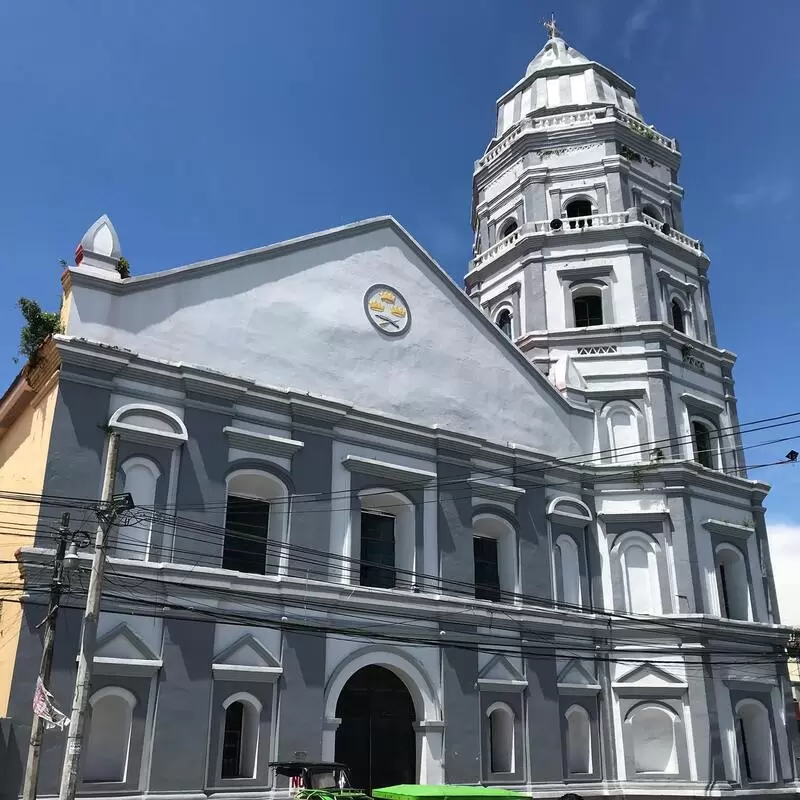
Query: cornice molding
(385, 470)
(262, 443)
(487, 490)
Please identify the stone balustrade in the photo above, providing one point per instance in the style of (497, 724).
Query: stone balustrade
(577, 225)
(574, 119)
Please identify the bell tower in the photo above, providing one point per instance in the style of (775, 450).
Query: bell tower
(580, 256)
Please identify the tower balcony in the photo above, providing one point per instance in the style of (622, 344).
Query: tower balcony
(584, 118)
(596, 227)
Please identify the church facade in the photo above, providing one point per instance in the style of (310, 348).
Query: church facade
(502, 535)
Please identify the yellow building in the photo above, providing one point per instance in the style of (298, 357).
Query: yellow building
(26, 417)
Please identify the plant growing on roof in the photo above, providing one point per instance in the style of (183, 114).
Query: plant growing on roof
(123, 267)
(39, 325)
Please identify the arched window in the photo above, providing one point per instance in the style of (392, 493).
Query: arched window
(754, 737)
(148, 424)
(587, 306)
(504, 322)
(248, 519)
(678, 317)
(387, 549)
(501, 738)
(580, 207)
(140, 479)
(652, 736)
(110, 722)
(704, 439)
(568, 572)
(240, 737)
(508, 227)
(494, 545)
(732, 584)
(652, 211)
(640, 575)
(622, 421)
(579, 741)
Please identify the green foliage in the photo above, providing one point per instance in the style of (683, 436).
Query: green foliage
(123, 267)
(626, 152)
(39, 325)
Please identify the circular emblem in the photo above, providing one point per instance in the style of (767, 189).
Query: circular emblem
(387, 310)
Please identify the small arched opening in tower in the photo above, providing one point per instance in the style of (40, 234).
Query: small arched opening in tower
(579, 207)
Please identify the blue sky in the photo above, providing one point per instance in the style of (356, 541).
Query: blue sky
(204, 128)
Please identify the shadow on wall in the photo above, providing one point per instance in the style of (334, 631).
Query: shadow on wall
(10, 761)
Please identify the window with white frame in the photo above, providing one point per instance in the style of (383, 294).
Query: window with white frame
(704, 442)
(501, 738)
(579, 741)
(733, 587)
(240, 729)
(387, 549)
(108, 744)
(677, 315)
(508, 227)
(256, 521)
(587, 306)
(754, 739)
(495, 557)
(568, 571)
(505, 321)
(639, 567)
(140, 478)
(652, 736)
(577, 209)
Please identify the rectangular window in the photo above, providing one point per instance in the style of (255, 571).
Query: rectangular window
(377, 550)
(487, 572)
(246, 528)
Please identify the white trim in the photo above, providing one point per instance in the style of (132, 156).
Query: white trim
(242, 697)
(279, 500)
(577, 708)
(488, 490)
(386, 470)
(237, 672)
(568, 517)
(501, 685)
(503, 532)
(126, 667)
(144, 435)
(262, 443)
(724, 528)
(113, 691)
(118, 548)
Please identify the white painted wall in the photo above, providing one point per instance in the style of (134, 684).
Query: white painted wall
(298, 320)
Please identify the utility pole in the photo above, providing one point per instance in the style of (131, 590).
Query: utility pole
(37, 728)
(110, 508)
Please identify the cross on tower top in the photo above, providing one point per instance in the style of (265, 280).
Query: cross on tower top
(550, 25)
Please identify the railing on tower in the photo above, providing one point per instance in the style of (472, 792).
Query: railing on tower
(578, 225)
(573, 119)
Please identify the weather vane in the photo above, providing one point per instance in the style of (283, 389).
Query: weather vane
(550, 25)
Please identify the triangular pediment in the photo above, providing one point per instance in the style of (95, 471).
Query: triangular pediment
(122, 643)
(247, 652)
(575, 673)
(302, 314)
(649, 675)
(500, 670)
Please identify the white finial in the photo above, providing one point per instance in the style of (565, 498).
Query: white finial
(99, 248)
(550, 26)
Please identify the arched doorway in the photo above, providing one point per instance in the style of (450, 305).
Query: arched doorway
(376, 737)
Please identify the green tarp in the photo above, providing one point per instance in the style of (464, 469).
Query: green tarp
(410, 792)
